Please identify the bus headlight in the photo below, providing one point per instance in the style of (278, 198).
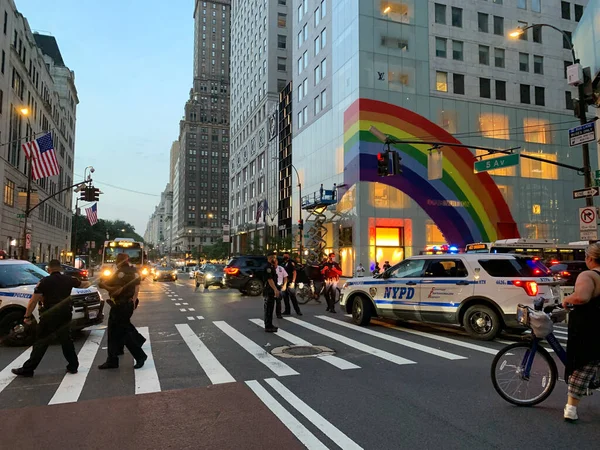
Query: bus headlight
(106, 273)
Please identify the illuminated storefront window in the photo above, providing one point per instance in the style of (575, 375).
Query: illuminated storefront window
(537, 169)
(389, 245)
(504, 172)
(441, 81)
(537, 130)
(494, 126)
(396, 11)
(433, 235)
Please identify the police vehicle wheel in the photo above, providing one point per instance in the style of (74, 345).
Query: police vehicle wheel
(482, 322)
(254, 288)
(13, 332)
(361, 311)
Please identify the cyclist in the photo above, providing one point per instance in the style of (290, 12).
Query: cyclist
(583, 345)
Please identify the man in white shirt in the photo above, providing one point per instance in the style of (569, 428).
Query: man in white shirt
(282, 277)
(360, 270)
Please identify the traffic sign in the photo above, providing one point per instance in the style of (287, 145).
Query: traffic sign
(586, 192)
(588, 227)
(582, 134)
(496, 163)
(597, 174)
(20, 216)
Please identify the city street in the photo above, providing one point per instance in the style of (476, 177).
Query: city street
(211, 382)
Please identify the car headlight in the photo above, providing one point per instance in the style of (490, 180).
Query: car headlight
(107, 273)
(209, 276)
(144, 271)
(345, 285)
(174, 272)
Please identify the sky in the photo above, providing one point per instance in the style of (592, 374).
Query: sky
(133, 64)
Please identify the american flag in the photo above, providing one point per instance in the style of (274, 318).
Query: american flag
(41, 153)
(259, 210)
(92, 214)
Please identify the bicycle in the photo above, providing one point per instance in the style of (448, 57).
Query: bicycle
(307, 292)
(515, 369)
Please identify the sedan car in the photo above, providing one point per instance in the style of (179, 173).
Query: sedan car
(211, 275)
(81, 274)
(165, 273)
(568, 271)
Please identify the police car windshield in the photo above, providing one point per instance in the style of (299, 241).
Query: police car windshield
(13, 275)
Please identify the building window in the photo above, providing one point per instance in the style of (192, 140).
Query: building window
(500, 90)
(504, 172)
(305, 114)
(317, 72)
(323, 8)
(522, 4)
(299, 66)
(459, 83)
(540, 96)
(569, 100)
(281, 20)
(317, 103)
(578, 12)
(281, 41)
(483, 21)
(525, 91)
(440, 47)
(323, 99)
(324, 38)
(281, 63)
(485, 88)
(323, 68)
(494, 126)
(538, 64)
(3, 62)
(499, 57)
(305, 59)
(9, 193)
(531, 168)
(522, 36)
(567, 40)
(457, 50)
(484, 55)
(565, 9)
(440, 14)
(536, 130)
(536, 5)
(537, 34)
(499, 25)
(317, 17)
(524, 62)
(457, 16)
(441, 81)
(317, 45)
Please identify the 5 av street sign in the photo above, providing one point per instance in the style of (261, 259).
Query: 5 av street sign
(496, 163)
(587, 192)
(582, 134)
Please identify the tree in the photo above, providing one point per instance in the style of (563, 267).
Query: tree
(219, 250)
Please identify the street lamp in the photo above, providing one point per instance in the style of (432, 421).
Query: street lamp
(587, 170)
(24, 111)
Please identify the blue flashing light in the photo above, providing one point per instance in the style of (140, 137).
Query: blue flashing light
(453, 248)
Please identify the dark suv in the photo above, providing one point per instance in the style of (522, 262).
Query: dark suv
(568, 271)
(246, 274)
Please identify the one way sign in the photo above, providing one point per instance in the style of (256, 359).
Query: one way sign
(587, 192)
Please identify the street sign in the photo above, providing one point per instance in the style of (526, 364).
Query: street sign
(20, 216)
(586, 192)
(28, 241)
(597, 174)
(588, 227)
(497, 163)
(582, 134)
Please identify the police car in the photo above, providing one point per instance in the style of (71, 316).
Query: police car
(479, 292)
(17, 282)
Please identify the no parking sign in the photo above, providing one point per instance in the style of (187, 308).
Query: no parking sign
(588, 224)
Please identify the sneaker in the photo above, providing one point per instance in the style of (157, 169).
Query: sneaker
(271, 330)
(570, 413)
(22, 372)
(298, 313)
(139, 363)
(71, 371)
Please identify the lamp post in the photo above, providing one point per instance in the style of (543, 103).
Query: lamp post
(587, 170)
(24, 250)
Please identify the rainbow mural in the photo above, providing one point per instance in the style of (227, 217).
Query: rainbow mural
(466, 206)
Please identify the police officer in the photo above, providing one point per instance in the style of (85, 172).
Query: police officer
(270, 292)
(53, 294)
(123, 287)
(290, 292)
(331, 272)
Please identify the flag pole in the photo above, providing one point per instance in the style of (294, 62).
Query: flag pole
(24, 250)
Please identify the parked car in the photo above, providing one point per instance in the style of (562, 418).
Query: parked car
(211, 275)
(81, 274)
(568, 271)
(165, 273)
(246, 274)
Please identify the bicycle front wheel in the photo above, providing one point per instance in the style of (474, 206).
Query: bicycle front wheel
(510, 382)
(303, 296)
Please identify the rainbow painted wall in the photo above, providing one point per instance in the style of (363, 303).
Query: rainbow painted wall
(466, 206)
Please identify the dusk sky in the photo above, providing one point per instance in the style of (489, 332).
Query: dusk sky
(133, 72)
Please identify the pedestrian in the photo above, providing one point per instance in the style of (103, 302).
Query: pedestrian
(334, 192)
(583, 344)
(290, 293)
(386, 265)
(360, 270)
(331, 271)
(321, 191)
(282, 278)
(270, 292)
(53, 294)
(377, 269)
(123, 287)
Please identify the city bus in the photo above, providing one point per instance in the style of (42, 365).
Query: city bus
(135, 251)
(545, 249)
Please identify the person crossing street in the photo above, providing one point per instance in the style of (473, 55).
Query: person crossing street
(331, 272)
(270, 292)
(290, 293)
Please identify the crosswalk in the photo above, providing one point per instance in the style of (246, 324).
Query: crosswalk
(206, 352)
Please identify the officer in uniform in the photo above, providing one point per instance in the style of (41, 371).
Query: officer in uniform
(270, 292)
(290, 292)
(53, 294)
(123, 287)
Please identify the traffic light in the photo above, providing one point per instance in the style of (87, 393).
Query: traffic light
(82, 195)
(383, 162)
(301, 225)
(394, 165)
(96, 194)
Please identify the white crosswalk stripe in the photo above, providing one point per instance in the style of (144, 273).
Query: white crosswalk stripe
(146, 378)
(6, 376)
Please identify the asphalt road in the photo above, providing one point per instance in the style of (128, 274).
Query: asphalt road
(211, 382)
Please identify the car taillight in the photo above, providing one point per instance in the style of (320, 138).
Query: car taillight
(84, 273)
(564, 273)
(554, 261)
(232, 270)
(531, 287)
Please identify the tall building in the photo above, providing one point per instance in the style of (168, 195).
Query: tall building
(156, 232)
(201, 195)
(435, 71)
(261, 68)
(33, 75)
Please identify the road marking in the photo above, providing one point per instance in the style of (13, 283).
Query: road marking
(146, 378)
(72, 384)
(200, 317)
(314, 417)
(177, 304)
(352, 343)
(213, 369)
(6, 376)
(182, 309)
(191, 309)
(396, 340)
(185, 304)
(191, 318)
(279, 368)
(479, 348)
(295, 340)
(292, 424)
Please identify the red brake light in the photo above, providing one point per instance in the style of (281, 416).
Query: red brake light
(564, 273)
(537, 271)
(531, 287)
(554, 261)
(231, 270)
(380, 156)
(84, 273)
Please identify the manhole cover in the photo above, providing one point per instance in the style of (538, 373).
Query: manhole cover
(301, 351)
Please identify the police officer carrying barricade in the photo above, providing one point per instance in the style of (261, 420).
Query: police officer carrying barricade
(270, 292)
(290, 292)
(331, 272)
(53, 293)
(123, 287)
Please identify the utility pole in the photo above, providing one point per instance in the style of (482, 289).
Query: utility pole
(587, 169)
(24, 249)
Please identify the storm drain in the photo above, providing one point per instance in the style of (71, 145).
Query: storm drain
(301, 351)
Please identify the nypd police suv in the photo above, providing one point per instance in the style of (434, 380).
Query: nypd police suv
(479, 292)
(17, 282)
